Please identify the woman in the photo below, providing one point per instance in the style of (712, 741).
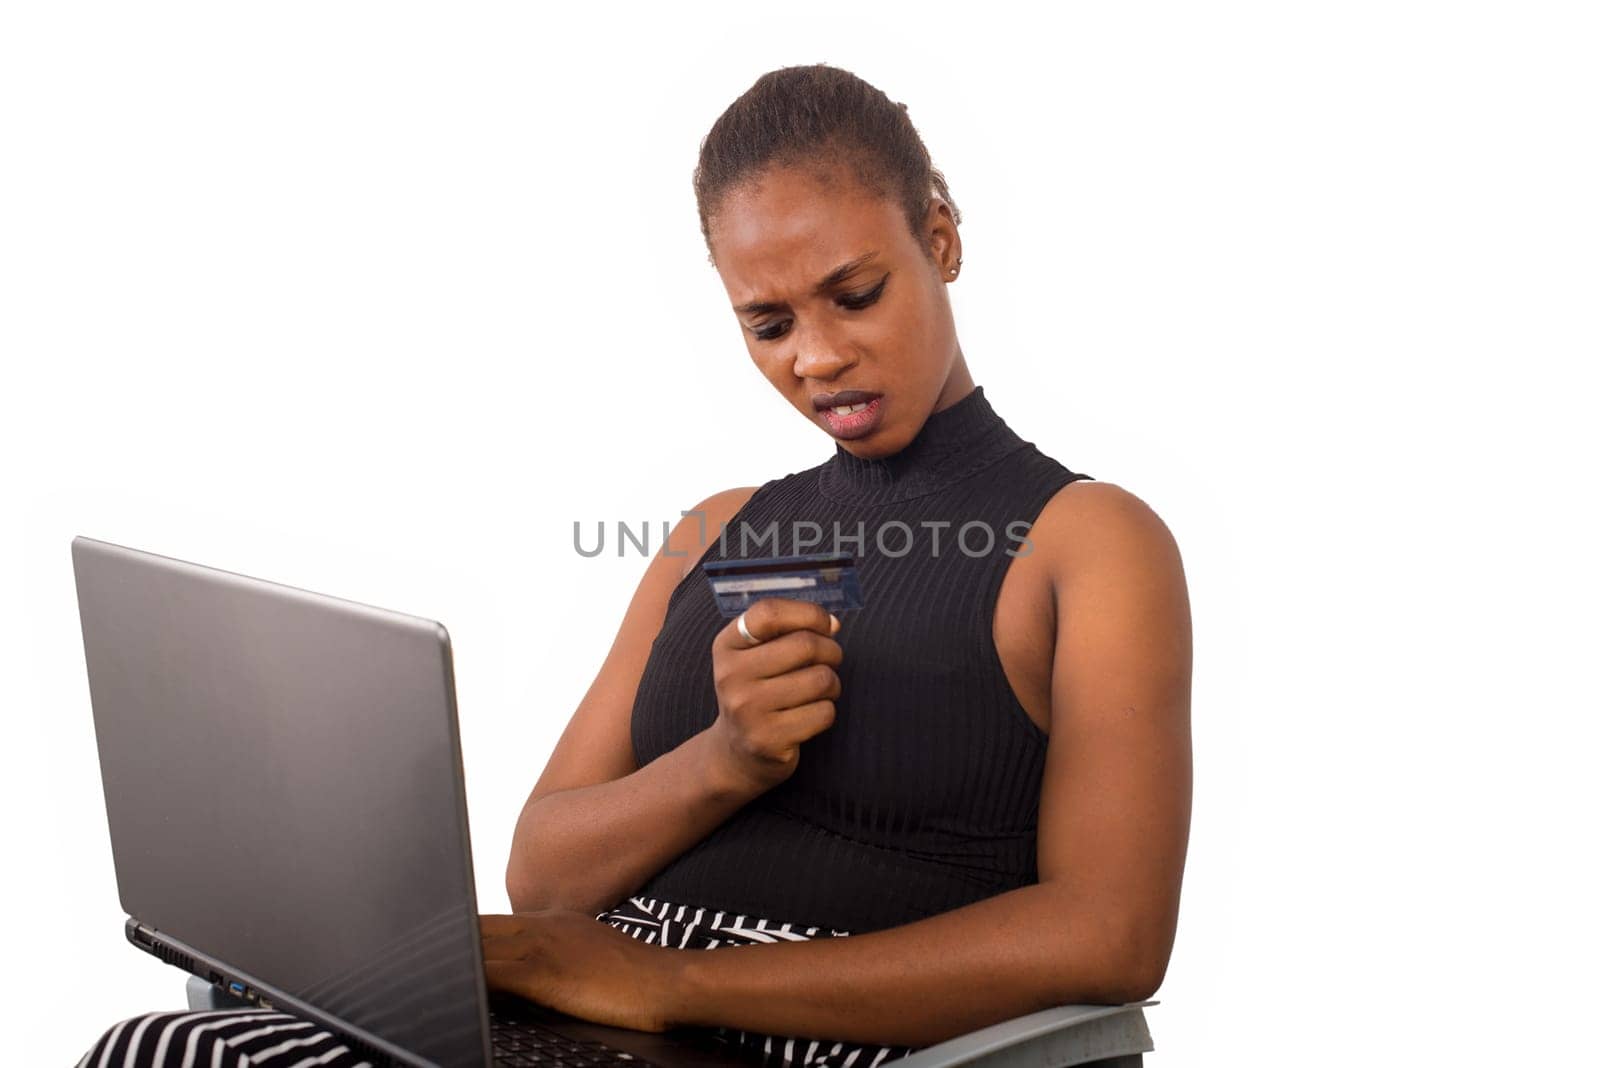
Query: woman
(965, 802)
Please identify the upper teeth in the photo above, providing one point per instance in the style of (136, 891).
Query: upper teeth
(846, 409)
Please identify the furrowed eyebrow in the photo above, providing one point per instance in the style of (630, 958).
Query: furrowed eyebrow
(832, 278)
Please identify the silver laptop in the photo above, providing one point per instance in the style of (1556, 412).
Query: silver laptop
(288, 815)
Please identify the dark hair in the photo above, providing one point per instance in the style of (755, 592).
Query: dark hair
(818, 117)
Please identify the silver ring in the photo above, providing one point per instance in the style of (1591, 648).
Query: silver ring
(744, 630)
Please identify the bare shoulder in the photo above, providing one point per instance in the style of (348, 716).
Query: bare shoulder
(701, 524)
(1099, 528)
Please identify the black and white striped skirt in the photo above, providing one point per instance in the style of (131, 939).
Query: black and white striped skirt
(686, 927)
(267, 1038)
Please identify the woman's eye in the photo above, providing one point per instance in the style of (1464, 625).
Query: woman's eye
(862, 300)
(853, 301)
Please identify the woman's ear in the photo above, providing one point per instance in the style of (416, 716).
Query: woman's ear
(942, 236)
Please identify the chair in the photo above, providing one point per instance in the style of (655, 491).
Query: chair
(1096, 1036)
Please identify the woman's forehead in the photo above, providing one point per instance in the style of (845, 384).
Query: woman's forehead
(791, 229)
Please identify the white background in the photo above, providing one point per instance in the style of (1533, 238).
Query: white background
(378, 299)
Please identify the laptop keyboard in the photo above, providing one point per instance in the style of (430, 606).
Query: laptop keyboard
(525, 1044)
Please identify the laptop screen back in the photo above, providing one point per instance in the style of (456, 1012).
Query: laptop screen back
(283, 784)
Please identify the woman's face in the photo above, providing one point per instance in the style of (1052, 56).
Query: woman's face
(835, 295)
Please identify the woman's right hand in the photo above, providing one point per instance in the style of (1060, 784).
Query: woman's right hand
(775, 694)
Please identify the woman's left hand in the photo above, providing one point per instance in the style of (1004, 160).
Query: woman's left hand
(571, 962)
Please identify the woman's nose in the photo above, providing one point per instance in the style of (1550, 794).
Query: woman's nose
(819, 356)
(819, 364)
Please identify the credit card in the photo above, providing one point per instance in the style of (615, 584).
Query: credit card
(828, 579)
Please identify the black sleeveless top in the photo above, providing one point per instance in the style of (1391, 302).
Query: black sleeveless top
(923, 795)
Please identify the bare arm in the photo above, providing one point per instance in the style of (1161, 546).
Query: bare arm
(587, 847)
(1113, 832)
(596, 826)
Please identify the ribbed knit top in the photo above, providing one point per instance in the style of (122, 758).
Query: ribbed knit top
(923, 795)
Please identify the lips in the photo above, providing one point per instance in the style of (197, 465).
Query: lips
(824, 401)
(858, 423)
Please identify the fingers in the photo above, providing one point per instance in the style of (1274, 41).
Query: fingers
(786, 653)
(810, 719)
(771, 617)
(818, 682)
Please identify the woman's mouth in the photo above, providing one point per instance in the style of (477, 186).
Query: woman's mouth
(851, 421)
